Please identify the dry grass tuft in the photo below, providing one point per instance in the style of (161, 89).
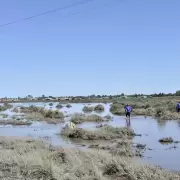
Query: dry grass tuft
(80, 118)
(99, 108)
(34, 160)
(104, 133)
(41, 114)
(68, 106)
(15, 122)
(59, 106)
(88, 109)
(166, 140)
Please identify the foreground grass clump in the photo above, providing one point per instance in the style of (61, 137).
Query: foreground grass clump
(99, 108)
(88, 109)
(34, 160)
(80, 118)
(122, 147)
(104, 133)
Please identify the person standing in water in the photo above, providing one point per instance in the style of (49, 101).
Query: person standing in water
(178, 107)
(128, 110)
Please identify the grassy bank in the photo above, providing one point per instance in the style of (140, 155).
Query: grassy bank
(158, 108)
(34, 160)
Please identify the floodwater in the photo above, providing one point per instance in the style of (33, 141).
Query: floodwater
(152, 130)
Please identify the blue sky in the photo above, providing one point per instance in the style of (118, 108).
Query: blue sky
(102, 47)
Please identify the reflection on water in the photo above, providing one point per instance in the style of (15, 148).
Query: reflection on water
(152, 130)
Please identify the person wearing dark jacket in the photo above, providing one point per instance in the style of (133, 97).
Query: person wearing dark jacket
(128, 110)
(178, 107)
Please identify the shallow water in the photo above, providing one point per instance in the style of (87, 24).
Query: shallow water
(152, 130)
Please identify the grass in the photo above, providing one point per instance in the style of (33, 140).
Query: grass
(59, 106)
(117, 109)
(41, 114)
(15, 122)
(122, 147)
(80, 118)
(5, 106)
(34, 160)
(166, 140)
(68, 106)
(4, 115)
(156, 107)
(104, 133)
(99, 108)
(88, 109)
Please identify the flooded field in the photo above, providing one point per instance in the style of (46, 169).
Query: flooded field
(151, 131)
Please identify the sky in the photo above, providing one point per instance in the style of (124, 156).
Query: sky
(100, 47)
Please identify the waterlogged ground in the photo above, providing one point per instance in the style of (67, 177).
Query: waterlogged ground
(151, 130)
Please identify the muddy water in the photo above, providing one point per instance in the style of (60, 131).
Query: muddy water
(152, 130)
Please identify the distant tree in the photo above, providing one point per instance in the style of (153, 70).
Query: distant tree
(177, 93)
(29, 96)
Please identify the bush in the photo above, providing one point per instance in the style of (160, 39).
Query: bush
(50, 104)
(108, 117)
(166, 140)
(117, 109)
(171, 106)
(34, 108)
(8, 106)
(88, 109)
(3, 108)
(80, 118)
(59, 106)
(68, 106)
(159, 112)
(99, 107)
(104, 133)
(53, 114)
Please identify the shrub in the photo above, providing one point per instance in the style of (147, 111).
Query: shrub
(3, 108)
(104, 133)
(117, 109)
(34, 108)
(59, 106)
(53, 114)
(166, 140)
(8, 106)
(159, 112)
(68, 106)
(80, 118)
(88, 109)
(99, 107)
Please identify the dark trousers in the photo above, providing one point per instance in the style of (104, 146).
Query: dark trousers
(178, 110)
(128, 114)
